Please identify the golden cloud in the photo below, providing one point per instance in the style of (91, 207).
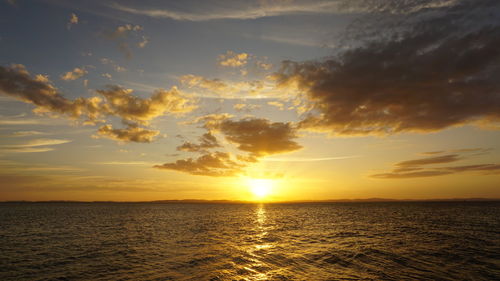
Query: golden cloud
(120, 102)
(73, 19)
(256, 137)
(74, 74)
(16, 82)
(245, 107)
(130, 134)
(207, 141)
(35, 145)
(217, 164)
(232, 59)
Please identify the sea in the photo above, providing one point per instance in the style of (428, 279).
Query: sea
(293, 241)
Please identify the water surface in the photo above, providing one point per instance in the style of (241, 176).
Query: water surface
(327, 241)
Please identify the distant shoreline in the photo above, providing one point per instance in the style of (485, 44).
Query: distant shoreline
(200, 201)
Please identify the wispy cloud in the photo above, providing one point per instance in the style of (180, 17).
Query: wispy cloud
(433, 166)
(236, 13)
(305, 159)
(127, 163)
(36, 145)
(21, 121)
(27, 133)
(13, 166)
(38, 142)
(25, 149)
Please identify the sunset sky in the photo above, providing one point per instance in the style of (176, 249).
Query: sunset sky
(249, 100)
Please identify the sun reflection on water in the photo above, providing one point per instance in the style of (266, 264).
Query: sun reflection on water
(260, 249)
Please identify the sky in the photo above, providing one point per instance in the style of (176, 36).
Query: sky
(266, 100)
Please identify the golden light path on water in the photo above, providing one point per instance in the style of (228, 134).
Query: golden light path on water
(261, 245)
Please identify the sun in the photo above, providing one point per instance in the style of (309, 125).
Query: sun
(260, 187)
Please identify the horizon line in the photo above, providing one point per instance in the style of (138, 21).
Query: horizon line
(228, 201)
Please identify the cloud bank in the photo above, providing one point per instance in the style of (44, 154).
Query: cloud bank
(256, 137)
(16, 82)
(426, 78)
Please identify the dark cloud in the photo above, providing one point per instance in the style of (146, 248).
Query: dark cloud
(427, 78)
(15, 81)
(207, 141)
(477, 151)
(257, 137)
(426, 167)
(260, 136)
(432, 152)
(408, 175)
(431, 160)
(217, 164)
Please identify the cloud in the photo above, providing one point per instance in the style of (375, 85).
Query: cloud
(25, 149)
(114, 65)
(72, 20)
(432, 152)
(130, 134)
(426, 167)
(39, 142)
(16, 82)
(305, 159)
(120, 102)
(33, 145)
(210, 121)
(232, 59)
(11, 167)
(144, 42)
(217, 164)
(257, 136)
(254, 136)
(277, 104)
(264, 65)
(260, 136)
(216, 85)
(227, 89)
(207, 141)
(74, 74)
(245, 107)
(426, 161)
(476, 151)
(125, 163)
(121, 36)
(27, 133)
(107, 75)
(20, 122)
(422, 79)
(245, 11)
(124, 30)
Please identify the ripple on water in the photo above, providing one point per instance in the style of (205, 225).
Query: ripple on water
(370, 241)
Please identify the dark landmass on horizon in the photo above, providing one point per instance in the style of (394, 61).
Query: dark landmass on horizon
(202, 201)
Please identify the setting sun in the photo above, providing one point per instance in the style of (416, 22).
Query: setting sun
(260, 187)
(250, 139)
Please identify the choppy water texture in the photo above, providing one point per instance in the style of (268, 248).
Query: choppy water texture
(352, 241)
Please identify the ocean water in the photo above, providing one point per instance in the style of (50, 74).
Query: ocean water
(313, 241)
